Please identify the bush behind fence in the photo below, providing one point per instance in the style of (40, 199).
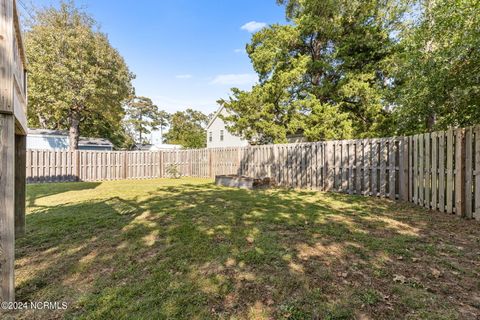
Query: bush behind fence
(439, 170)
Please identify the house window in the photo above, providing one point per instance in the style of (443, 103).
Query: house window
(221, 135)
(210, 136)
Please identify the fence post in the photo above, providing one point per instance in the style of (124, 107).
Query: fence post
(209, 160)
(328, 168)
(275, 164)
(125, 165)
(460, 172)
(161, 164)
(239, 162)
(190, 162)
(468, 172)
(476, 213)
(403, 168)
(77, 165)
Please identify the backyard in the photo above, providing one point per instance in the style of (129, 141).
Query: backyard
(187, 249)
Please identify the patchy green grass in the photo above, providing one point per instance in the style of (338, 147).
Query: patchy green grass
(186, 249)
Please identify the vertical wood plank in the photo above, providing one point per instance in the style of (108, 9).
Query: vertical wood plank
(449, 180)
(403, 168)
(7, 206)
(434, 186)
(329, 171)
(351, 161)
(383, 167)
(415, 168)
(441, 171)
(358, 166)
(392, 168)
(367, 167)
(476, 213)
(421, 170)
(468, 172)
(20, 179)
(303, 166)
(375, 166)
(427, 170)
(460, 172)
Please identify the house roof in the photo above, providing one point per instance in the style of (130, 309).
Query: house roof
(83, 141)
(155, 147)
(215, 116)
(143, 147)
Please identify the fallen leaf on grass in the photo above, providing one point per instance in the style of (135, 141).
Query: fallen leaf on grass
(435, 272)
(399, 278)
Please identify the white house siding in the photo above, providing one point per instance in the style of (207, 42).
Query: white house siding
(57, 142)
(229, 140)
(47, 142)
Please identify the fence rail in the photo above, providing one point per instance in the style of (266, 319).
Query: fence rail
(439, 170)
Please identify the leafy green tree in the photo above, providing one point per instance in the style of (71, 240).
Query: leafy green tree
(108, 125)
(163, 121)
(437, 71)
(328, 67)
(77, 80)
(187, 128)
(143, 116)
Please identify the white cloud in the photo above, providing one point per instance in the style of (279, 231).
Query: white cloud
(235, 79)
(253, 26)
(183, 76)
(239, 50)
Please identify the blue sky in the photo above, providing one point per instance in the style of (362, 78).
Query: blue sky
(185, 53)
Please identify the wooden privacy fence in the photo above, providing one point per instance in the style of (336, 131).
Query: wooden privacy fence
(439, 170)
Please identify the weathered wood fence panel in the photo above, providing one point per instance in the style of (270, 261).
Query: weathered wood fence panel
(439, 170)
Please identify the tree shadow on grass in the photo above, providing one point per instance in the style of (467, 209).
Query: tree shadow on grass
(199, 251)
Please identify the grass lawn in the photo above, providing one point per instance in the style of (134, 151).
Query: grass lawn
(186, 249)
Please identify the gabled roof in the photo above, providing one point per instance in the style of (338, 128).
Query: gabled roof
(83, 141)
(215, 116)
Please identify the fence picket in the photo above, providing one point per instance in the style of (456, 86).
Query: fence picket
(439, 170)
(367, 167)
(449, 180)
(476, 213)
(468, 172)
(392, 168)
(434, 186)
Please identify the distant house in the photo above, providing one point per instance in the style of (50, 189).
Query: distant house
(156, 147)
(58, 140)
(218, 136)
(296, 138)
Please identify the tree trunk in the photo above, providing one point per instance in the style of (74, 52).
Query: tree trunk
(42, 121)
(431, 119)
(74, 131)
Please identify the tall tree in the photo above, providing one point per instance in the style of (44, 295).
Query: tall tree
(163, 121)
(77, 80)
(187, 128)
(328, 67)
(143, 116)
(437, 82)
